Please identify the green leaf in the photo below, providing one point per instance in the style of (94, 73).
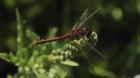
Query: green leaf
(4, 56)
(103, 72)
(20, 32)
(70, 63)
(8, 57)
(52, 31)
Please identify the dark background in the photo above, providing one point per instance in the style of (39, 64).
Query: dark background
(117, 25)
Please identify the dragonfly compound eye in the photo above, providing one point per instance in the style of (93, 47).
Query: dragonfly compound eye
(88, 31)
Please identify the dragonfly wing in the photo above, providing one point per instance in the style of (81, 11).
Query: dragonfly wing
(93, 13)
(83, 51)
(75, 26)
(84, 15)
(83, 19)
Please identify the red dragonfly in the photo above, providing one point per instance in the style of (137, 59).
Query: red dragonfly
(77, 30)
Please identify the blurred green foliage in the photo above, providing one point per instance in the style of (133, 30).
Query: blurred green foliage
(117, 26)
(37, 61)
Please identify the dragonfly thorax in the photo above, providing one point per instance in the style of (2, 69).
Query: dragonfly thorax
(81, 31)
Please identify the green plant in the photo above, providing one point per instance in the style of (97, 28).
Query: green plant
(43, 61)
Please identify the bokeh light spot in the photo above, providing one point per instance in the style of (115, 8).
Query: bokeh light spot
(117, 13)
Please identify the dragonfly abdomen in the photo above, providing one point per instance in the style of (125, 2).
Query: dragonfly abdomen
(53, 39)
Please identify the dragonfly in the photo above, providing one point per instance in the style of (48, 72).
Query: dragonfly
(78, 29)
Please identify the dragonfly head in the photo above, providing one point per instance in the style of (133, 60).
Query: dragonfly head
(87, 31)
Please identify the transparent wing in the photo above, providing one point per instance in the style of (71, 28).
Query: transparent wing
(84, 15)
(84, 18)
